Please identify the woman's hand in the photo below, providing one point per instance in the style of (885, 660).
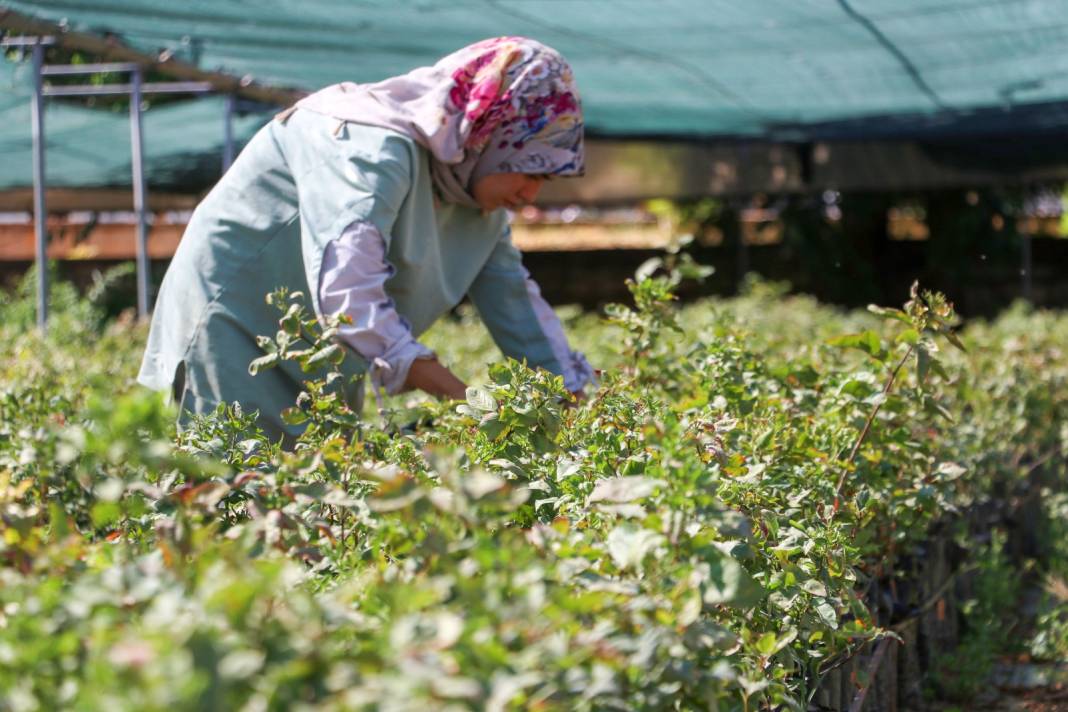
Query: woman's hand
(429, 376)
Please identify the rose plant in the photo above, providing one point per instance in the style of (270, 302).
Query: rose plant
(699, 533)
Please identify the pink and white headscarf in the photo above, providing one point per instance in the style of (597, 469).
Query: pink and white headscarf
(502, 105)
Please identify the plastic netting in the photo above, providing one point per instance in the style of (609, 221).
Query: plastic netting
(778, 69)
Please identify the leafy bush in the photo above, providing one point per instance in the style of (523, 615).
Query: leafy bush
(991, 620)
(1050, 641)
(699, 533)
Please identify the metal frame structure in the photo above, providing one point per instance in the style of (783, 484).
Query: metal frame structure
(136, 89)
(618, 168)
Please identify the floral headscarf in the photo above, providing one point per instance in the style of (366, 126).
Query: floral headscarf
(502, 105)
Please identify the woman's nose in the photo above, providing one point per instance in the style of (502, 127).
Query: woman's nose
(531, 188)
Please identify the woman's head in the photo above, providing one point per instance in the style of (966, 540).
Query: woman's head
(519, 106)
(503, 106)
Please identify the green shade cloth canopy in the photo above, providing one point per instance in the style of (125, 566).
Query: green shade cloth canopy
(91, 148)
(784, 70)
(687, 67)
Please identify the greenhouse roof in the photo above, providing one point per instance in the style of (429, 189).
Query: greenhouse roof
(781, 70)
(89, 147)
(670, 67)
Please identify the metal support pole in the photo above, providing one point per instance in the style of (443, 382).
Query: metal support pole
(228, 134)
(1026, 266)
(40, 214)
(741, 248)
(138, 171)
(742, 256)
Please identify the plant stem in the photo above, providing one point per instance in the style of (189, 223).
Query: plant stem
(873, 668)
(867, 425)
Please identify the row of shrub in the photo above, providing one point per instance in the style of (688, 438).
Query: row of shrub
(698, 533)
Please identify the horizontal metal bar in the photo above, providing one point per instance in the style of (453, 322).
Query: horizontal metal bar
(26, 41)
(111, 89)
(107, 49)
(64, 69)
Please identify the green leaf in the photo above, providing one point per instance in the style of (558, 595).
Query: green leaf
(541, 442)
(480, 399)
(687, 268)
(923, 363)
(770, 643)
(729, 583)
(624, 489)
(953, 339)
(646, 269)
(827, 614)
(105, 514)
(263, 363)
(937, 368)
(294, 416)
(931, 405)
(785, 639)
(333, 354)
(908, 336)
(765, 644)
(628, 545)
(950, 471)
(290, 322)
(57, 518)
(867, 341)
(889, 313)
(267, 344)
(493, 427)
(480, 483)
(241, 664)
(464, 409)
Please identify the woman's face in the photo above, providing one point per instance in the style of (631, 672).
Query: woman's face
(506, 190)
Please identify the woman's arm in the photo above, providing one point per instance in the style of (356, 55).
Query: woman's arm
(429, 376)
(345, 233)
(521, 322)
(352, 282)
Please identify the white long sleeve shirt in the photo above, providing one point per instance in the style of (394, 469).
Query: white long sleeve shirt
(353, 281)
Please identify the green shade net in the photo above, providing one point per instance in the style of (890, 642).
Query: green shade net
(183, 142)
(792, 70)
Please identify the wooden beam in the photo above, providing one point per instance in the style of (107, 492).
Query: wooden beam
(71, 241)
(63, 200)
(111, 50)
(115, 241)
